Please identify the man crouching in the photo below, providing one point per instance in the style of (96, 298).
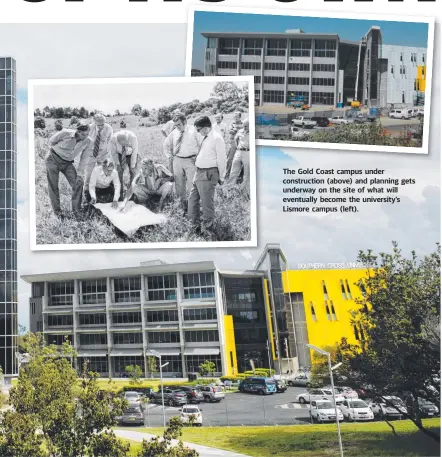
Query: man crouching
(152, 180)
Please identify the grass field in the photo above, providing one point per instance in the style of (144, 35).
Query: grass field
(359, 440)
(232, 218)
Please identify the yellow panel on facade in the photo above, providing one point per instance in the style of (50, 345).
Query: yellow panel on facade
(325, 327)
(230, 346)
(421, 78)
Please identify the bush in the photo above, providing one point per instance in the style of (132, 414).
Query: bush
(39, 123)
(260, 372)
(142, 390)
(238, 377)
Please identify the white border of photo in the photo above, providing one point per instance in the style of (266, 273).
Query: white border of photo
(253, 242)
(377, 18)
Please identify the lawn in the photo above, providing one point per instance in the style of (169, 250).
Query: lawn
(359, 440)
(232, 209)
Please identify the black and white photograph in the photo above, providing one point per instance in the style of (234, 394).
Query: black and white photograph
(142, 163)
(359, 82)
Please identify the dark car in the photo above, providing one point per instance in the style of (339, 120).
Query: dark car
(321, 121)
(171, 397)
(281, 386)
(427, 409)
(194, 394)
(133, 414)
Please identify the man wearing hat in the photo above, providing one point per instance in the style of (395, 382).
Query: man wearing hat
(241, 158)
(123, 147)
(152, 180)
(210, 170)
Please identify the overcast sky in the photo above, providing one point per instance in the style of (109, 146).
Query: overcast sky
(107, 97)
(415, 223)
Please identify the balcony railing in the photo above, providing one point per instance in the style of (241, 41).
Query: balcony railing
(93, 299)
(128, 297)
(61, 300)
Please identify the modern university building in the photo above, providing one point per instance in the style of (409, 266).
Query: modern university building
(321, 69)
(193, 312)
(8, 220)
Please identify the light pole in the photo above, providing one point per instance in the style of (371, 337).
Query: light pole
(268, 355)
(158, 356)
(330, 369)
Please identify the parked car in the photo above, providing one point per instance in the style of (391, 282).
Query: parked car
(212, 393)
(258, 385)
(321, 121)
(400, 114)
(304, 122)
(301, 379)
(324, 411)
(281, 386)
(340, 120)
(191, 413)
(134, 397)
(194, 394)
(384, 409)
(171, 397)
(355, 410)
(319, 394)
(299, 134)
(427, 409)
(133, 414)
(346, 392)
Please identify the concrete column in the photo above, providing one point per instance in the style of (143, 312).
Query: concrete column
(261, 84)
(220, 319)
(108, 324)
(287, 54)
(179, 298)
(337, 76)
(310, 89)
(143, 323)
(75, 319)
(238, 69)
(45, 305)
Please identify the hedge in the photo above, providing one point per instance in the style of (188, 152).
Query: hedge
(145, 390)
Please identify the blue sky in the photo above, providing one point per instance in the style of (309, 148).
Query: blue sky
(398, 33)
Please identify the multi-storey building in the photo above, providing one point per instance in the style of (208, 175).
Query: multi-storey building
(193, 312)
(319, 69)
(8, 219)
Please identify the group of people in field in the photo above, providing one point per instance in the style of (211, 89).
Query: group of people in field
(197, 157)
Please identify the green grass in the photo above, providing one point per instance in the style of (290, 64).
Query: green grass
(359, 440)
(232, 209)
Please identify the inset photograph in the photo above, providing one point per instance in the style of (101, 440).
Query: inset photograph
(322, 80)
(142, 163)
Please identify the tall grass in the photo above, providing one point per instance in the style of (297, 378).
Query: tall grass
(232, 208)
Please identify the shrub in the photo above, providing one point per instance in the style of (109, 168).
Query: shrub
(145, 390)
(39, 123)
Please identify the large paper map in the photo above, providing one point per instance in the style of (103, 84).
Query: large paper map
(132, 218)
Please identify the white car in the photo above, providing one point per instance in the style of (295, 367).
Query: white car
(319, 394)
(346, 392)
(340, 120)
(356, 410)
(400, 114)
(299, 134)
(134, 397)
(324, 411)
(191, 413)
(384, 408)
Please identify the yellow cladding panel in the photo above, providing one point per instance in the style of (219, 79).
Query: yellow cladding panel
(269, 318)
(229, 337)
(421, 78)
(324, 330)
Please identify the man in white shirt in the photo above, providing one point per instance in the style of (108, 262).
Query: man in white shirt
(210, 170)
(241, 159)
(153, 180)
(170, 125)
(234, 128)
(221, 127)
(104, 184)
(123, 148)
(181, 148)
(100, 133)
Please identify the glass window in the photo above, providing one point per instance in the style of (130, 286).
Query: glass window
(60, 320)
(273, 96)
(299, 81)
(58, 340)
(126, 318)
(93, 291)
(227, 65)
(343, 292)
(61, 293)
(323, 81)
(276, 47)
(163, 337)
(251, 65)
(348, 289)
(327, 310)
(323, 98)
(299, 66)
(199, 314)
(120, 364)
(325, 48)
(200, 336)
(92, 319)
(312, 309)
(274, 66)
(300, 48)
(128, 338)
(298, 96)
(93, 339)
(229, 46)
(96, 364)
(326, 67)
(274, 79)
(199, 285)
(193, 362)
(127, 290)
(161, 288)
(167, 315)
(253, 47)
(333, 312)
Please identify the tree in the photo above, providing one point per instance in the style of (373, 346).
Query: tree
(67, 112)
(196, 72)
(74, 121)
(227, 90)
(163, 446)
(117, 113)
(144, 113)
(163, 115)
(152, 366)
(59, 112)
(135, 373)
(207, 368)
(39, 123)
(76, 112)
(399, 352)
(320, 374)
(83, 113)
(38, 113)
(136, 110)
(53, 415)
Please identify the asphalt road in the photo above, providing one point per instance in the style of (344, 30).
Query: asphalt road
(242, 409)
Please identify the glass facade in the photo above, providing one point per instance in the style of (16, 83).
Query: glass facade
(8, 218)
(245, 302)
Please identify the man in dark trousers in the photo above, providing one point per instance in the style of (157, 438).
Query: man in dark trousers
(210, 170)
(65, 146)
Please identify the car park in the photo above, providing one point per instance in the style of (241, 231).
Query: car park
(193, 393)
(427, 409)
(133, 414)
(212, 393)
(388, 407)
(355, 409)
(258, 385)
(318, 394)
(324, 411)
(171, 397)
(191, 414)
